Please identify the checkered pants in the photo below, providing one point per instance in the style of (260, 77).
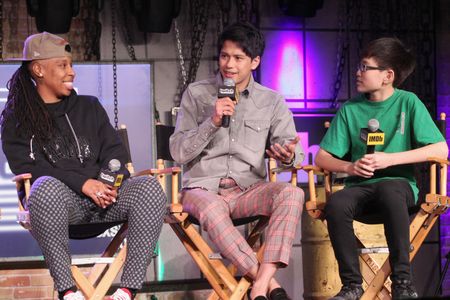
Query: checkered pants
(53, 206)
(281, 201)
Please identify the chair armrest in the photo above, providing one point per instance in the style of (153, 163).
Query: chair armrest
(153, 172)
(441, 164)
(314, 209)
(438, 160)
(160, 175)
(279, 170)
(22, 177)
(317, 170)
(23, 184)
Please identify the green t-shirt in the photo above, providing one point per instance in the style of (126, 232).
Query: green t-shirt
(405, 122)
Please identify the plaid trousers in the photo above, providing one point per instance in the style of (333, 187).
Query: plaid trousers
(282, 202)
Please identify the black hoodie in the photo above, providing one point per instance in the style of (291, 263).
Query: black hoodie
(84, 143)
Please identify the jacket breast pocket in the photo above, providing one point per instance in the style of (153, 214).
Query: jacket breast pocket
(256, 132)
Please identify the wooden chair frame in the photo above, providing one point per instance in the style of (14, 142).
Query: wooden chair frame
(221, 278)
(104, 268)
(436, 203)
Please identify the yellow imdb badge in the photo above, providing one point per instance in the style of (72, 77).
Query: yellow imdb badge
(118, 180)
(375, 138)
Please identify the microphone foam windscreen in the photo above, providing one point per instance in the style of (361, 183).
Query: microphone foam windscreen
(229, 82)
(114, 165)
(373, 125)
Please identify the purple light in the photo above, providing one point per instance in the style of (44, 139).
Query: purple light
(282, 67)
(290, 77)
(443, 106)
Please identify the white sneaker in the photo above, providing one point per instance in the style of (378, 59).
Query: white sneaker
(74, 296)
(120, 295)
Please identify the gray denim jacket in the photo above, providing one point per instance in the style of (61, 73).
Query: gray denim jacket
(209, 153)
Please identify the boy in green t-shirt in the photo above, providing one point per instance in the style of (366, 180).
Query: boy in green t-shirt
(381, 183)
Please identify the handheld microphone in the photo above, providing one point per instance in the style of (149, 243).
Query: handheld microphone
(228, 89)
(372, 135)
(109, 176)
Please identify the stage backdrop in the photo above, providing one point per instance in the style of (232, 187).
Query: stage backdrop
(135, 98)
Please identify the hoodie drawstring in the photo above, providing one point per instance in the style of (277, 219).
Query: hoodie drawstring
(31, 148)
(80, 157)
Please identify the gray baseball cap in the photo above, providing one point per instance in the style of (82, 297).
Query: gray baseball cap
(44, 46)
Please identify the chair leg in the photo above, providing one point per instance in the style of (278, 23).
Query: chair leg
(99, 269)
(97, 284)
(378, 282)
(99, 292)
(245, 282)
(233, 270)
(214, 270)
(418, 233)
(82, 282)
(241, 290)
(369, 269)
(221, 278)
(444, 272)
(418, 236)
(104, 285)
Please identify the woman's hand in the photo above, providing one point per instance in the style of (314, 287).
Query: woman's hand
(103, 195)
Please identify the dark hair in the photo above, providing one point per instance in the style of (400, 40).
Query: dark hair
(26, 106)
(246, 36)
(391, 53)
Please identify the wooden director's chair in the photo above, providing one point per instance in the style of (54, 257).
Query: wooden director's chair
(221, 278)
(104, 268)
(425, 214)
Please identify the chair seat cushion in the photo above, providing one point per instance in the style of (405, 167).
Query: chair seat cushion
(90, 230)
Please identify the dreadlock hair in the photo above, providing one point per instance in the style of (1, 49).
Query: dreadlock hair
(27, 107)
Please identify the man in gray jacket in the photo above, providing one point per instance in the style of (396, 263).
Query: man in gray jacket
(224, 168)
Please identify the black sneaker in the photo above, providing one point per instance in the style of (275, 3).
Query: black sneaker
(278, 294)
(403, 289)
(349, 292)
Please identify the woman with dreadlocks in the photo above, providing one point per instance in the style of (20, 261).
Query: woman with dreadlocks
(64, 140)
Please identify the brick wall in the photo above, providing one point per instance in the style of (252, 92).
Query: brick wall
(26, 284)
(36, 284)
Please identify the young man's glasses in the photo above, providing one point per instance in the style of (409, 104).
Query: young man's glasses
(364, 68)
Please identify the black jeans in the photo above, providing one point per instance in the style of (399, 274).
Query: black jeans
(389, 200)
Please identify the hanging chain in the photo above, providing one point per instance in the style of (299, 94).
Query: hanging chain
(100, 82)
(223, 16)
(342, 48)
(377, 17)
(254, 13)
(427, 49)
(248, 12)
(242, 10)
(1, 29)
(13, 46)
(223, 11)
(127, 31)
(92, 28)
(199, 17)
(114, 58)
(359, 28)
(181, 62)
(220, 16)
